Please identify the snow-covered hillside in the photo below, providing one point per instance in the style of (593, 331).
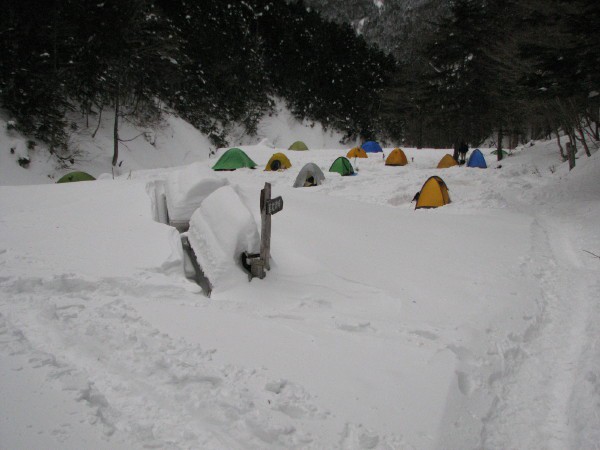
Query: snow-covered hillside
(173, 142)
(474, 325)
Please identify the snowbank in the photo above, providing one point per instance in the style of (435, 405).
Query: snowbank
(185, 190)
(220, 230)
(93, 228)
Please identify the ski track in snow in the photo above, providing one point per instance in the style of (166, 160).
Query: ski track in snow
(537, 401)
(165, 394)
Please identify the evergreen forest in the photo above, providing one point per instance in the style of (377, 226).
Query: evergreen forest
(420, 72)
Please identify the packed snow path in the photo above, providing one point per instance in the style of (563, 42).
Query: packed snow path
(547, 395)
(472, 326)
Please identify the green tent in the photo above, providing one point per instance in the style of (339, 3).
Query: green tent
(342, 166)
(76, 176)
(298, 145)
(232, 159)
(504, 153)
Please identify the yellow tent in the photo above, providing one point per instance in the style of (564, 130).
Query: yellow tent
(434, 193)
(396, 158)
(278, 162)
(357, 152)
(447, 161)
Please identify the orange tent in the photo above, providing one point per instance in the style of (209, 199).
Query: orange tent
(447, 161)
(357, 152)
(396, 158)
(434, 193)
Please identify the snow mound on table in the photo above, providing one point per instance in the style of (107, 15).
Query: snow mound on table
(187, 188)
(220, 230)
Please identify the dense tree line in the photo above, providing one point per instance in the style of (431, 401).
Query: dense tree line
(442, 71)
(516, 68)
(471, 69)
(215, 63)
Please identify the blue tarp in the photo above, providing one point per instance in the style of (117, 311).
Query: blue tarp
(371, 147)
(477, 160)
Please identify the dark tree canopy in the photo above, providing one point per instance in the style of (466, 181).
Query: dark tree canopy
(422, 72)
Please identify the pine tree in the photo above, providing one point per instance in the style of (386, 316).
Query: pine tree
(456, 93)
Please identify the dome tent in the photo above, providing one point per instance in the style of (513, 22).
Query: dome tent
(396, 158)
(477, 160)
(298, 145)
(357, 152)
(371, 147)
(504, 153)
(342, 166)
(233, 159)
(278, 162)
(434, 193)
(447, 161)
(309, 175)
(75, 176)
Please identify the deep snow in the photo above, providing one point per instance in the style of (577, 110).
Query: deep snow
(474, 325)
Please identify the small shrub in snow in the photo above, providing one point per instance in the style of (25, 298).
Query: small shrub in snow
(24, 161)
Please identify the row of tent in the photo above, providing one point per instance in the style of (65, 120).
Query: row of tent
(235, 158)
(475, 160)
(368, 146)
(433, 194)
(397, 157)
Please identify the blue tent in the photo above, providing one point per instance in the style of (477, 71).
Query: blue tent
(371, 147)
(477, 160)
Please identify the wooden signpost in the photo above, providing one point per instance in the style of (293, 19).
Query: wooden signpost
(268, 207)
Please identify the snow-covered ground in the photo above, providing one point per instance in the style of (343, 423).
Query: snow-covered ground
(474, 325)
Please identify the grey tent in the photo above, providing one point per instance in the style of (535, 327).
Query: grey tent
(310, 175)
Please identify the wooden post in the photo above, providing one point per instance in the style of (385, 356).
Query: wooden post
(268, 206)
(265, 234)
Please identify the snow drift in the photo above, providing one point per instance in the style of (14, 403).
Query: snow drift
(220, 230)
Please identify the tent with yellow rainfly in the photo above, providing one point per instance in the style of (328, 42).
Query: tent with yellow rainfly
(434, 193)
(447, 161)
(278, 162)
(396, 158)
(357, 152)
(298, 145)
(76, 176)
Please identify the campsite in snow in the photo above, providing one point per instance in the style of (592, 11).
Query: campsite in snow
(300, 224)
(378, 326)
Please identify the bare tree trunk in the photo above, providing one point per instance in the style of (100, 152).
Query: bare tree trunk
(571, 150)
(499, 146)
(560, 147)
(514, 140)
(99, 120)
(583, 142)
(420, 142)
(593, 121)
(116, 131)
